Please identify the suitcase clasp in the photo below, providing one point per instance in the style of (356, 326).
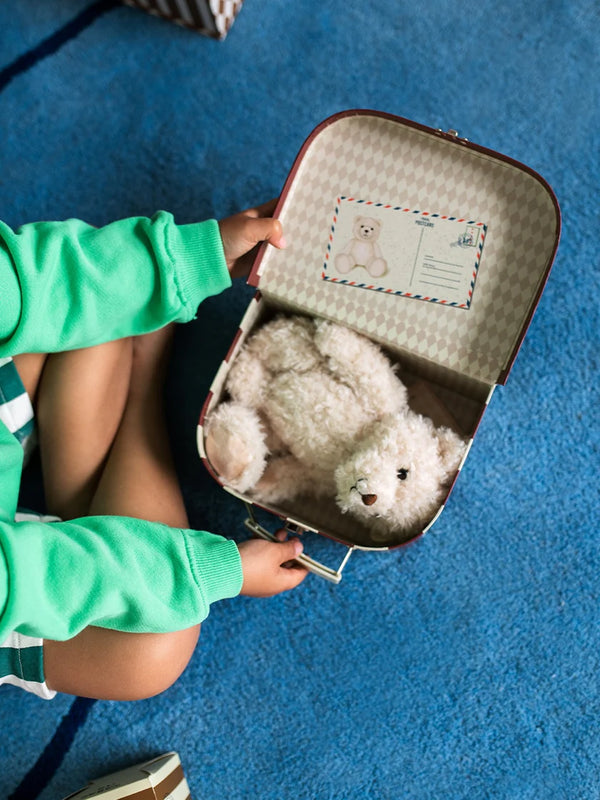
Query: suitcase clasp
(316, 567)
(454, 134)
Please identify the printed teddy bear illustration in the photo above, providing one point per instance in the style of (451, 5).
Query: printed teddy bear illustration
(362, 250)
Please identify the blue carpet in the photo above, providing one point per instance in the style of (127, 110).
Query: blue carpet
(465, 666)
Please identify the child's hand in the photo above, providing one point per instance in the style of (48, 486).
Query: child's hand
(242, 233)
(263, 566)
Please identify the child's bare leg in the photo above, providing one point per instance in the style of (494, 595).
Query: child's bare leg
(80, 404)
(29, 367)
(111, 665)
(138, 480)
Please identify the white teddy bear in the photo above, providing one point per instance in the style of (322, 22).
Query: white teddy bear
(317, 409)
(362, 250)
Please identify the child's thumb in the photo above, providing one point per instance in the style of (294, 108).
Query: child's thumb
(290, 549)
(266, 229)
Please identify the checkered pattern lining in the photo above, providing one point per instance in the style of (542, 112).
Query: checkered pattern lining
(382, 159)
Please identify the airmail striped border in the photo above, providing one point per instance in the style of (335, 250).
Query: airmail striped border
(405, 210)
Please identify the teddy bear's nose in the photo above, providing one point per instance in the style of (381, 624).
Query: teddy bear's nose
(369, 499)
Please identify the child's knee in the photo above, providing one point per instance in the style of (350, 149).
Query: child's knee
(162, 662)
(150, 358)
(110, 665)
(81, 384)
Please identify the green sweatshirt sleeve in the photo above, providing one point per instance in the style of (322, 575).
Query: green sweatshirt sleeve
(113, 572)
(65, 285)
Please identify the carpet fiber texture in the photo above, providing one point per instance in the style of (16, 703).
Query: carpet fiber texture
(466, 665)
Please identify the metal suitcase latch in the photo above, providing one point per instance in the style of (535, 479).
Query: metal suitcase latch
(323, 571)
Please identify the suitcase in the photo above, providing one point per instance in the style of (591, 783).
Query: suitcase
(467, 236)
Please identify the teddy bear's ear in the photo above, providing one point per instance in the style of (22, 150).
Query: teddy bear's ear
(451, 449)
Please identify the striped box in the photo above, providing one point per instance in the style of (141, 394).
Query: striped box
(210, 17)
(159, 779)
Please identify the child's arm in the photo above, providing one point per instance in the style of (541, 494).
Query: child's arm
(122, 573)
(128, 575)
(113, 572)
(65, 285)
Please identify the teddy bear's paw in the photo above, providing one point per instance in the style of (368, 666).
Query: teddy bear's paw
(344, 263)
(283, 479)
(377, 268)
(235, 445)
(247, 379)
(361, 364)
(452, 449)
(282, 345)
(381, 532)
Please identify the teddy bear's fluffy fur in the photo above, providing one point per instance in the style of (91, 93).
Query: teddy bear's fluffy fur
(317, 409)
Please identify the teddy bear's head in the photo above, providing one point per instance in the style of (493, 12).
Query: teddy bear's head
(367, 229)
(396, 478)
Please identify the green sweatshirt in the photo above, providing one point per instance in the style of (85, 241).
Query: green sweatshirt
(66, 285)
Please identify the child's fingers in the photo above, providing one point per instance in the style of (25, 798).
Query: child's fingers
(289, 550)
(242, 233)
(264, 567)
(264, 210)
(263, 229)
(292, 576)
(291, 573)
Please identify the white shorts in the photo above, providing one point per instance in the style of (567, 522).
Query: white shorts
(22, 664)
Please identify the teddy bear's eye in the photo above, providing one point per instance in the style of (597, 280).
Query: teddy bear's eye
(402, 474)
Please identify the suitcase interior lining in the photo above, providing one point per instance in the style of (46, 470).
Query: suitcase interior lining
(379, 160)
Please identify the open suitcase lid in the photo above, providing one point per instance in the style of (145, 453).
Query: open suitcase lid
(465, 236)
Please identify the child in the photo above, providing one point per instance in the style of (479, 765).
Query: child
(107, 603)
